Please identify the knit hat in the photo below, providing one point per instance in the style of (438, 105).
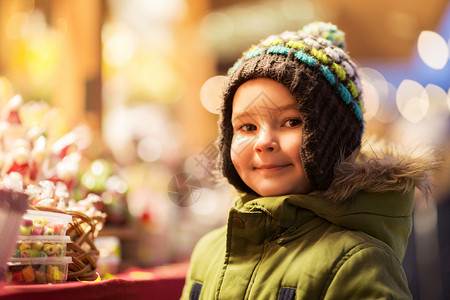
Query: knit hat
(313, 65)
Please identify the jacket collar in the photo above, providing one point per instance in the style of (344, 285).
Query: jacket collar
(386, 216)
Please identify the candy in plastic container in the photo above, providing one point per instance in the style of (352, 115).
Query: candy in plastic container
(38, 270)
(36, 222)
(41, 246)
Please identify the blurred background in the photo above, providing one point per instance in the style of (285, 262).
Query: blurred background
(140, 82)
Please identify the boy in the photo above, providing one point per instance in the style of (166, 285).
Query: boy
(313, 220)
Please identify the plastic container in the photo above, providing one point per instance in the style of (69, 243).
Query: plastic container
(41, 246)
(38, 270)
(37, 222)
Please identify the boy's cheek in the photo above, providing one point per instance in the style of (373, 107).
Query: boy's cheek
(240, 144)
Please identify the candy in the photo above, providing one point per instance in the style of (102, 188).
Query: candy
(13, 106)
(30, 253)
(38, 269)
(27, 222)
(41, 276)
(53, 274)
(41, 246)
(16, 253)
(24, 246)
(25, 230)
(28, 274)
(18, 168)
(13, 117)
(59, 249)
(43, 222)
(36, 231)
(17, 276)
(9, 276)
(48, 231)
(39, 222)
(58, 229)
(37, 246)
(49, 249)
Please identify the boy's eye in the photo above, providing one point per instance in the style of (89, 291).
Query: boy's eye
(248, 127)
(293, 123)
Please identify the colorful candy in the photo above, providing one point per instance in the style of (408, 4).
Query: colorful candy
(38, 270)
(28, 274)
(41, 246)
(44, 223)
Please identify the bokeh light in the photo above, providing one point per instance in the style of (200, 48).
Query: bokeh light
(412, 100)
(375, 91)
(216, 26)
(149, 149)
(371, 100)
(438, 102)
(294, 9)
(6, 89)
(119, 44)
(388, 112)
(211, 93)
(433, 49)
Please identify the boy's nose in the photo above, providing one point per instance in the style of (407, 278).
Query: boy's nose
(266, 142)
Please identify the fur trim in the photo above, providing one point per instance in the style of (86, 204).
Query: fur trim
(383, 170)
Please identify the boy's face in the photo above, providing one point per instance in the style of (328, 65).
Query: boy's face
(267, 135)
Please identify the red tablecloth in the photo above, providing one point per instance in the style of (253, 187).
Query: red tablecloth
(165, 282)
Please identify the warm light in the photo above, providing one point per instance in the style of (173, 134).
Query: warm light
(211, 93)
(438, 102)
(375, 91)
(388, 111)
(117, 184)
(149, 149)
(371, 100)
(33, 113)
(154, 76)
(6, 89)
(204, 206)
(15, 24)
(98, 168)
(294, 9)
(119, 44)
(433, 49)
(216, 26)
(412, 100)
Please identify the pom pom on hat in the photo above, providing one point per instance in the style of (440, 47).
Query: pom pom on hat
(326, 31)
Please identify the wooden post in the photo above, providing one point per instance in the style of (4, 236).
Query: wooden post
(196, 65)
(79, 94)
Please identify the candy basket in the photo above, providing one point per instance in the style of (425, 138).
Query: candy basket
(82, 230)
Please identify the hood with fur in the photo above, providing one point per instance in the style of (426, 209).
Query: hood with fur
(382, 168)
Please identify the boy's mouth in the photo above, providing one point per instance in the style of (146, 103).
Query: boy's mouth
(272, 168)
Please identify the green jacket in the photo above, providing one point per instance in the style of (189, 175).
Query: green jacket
(309, 247)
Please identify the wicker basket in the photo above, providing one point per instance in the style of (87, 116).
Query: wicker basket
(82, 231)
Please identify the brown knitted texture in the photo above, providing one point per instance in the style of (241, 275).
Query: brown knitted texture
(330, 129)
